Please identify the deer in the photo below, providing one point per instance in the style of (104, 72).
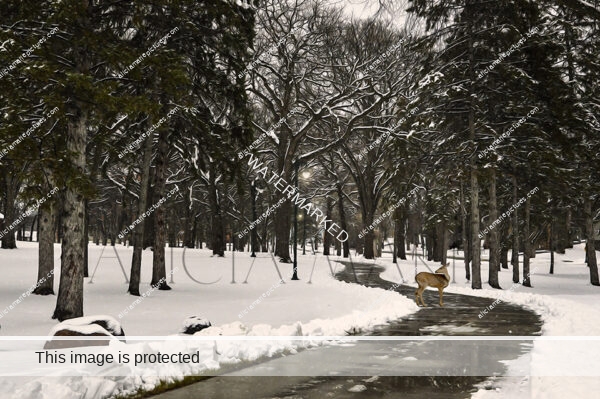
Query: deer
(440, 280)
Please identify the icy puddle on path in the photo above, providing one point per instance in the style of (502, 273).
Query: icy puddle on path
(386, 368)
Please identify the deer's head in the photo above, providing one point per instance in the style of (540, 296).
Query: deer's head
(442, 269)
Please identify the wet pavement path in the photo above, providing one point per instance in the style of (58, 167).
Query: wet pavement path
(388, 369)
(459, 316)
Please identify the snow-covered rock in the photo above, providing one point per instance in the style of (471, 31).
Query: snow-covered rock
(89, 326)
(193, 324)
(92, 330)
(357, 388)
(109, 323)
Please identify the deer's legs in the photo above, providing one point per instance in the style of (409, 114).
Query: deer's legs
(441, 291)
(419, 295)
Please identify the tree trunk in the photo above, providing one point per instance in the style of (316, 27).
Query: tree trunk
(327, 237)
(411, 231)
(46, 220)
(86, 228)
(8, 241)
(551, 245)
(31, 228)
(493, 237)
(97, 234)
(430, 244)
(475, 242)
(342, 214)
(104, 237)
(394, 251)
(464, 239)
(444, 244)
(515, 232)
(119, 221)
(369, 237)
(400, 247)
(378, 243)
(172, 239)
(526, 245)
(282, 231)
(138, 231)
(504, 256)
(590, 245)
(283, 214)
(148, 223)
(568, 231)
(254, 245)
(86, 237)
(69, 303)
(194, 231)
(188, 228)
(218, 229)
(503, 240)
(159, 271)
(368, 243)
(560, 233)
(504, 246)
(264, 243)
(399, 232)
(59, 222)
(440, 242)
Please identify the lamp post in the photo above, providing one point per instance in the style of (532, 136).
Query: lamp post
(304, 233)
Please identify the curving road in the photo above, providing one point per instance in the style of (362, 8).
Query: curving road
(388, 369)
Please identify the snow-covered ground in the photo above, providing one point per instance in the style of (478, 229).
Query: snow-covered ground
(568, 306)
(296, 308)
(566, 302)
(221, 303)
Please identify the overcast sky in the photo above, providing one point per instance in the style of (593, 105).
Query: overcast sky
(367, 8)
